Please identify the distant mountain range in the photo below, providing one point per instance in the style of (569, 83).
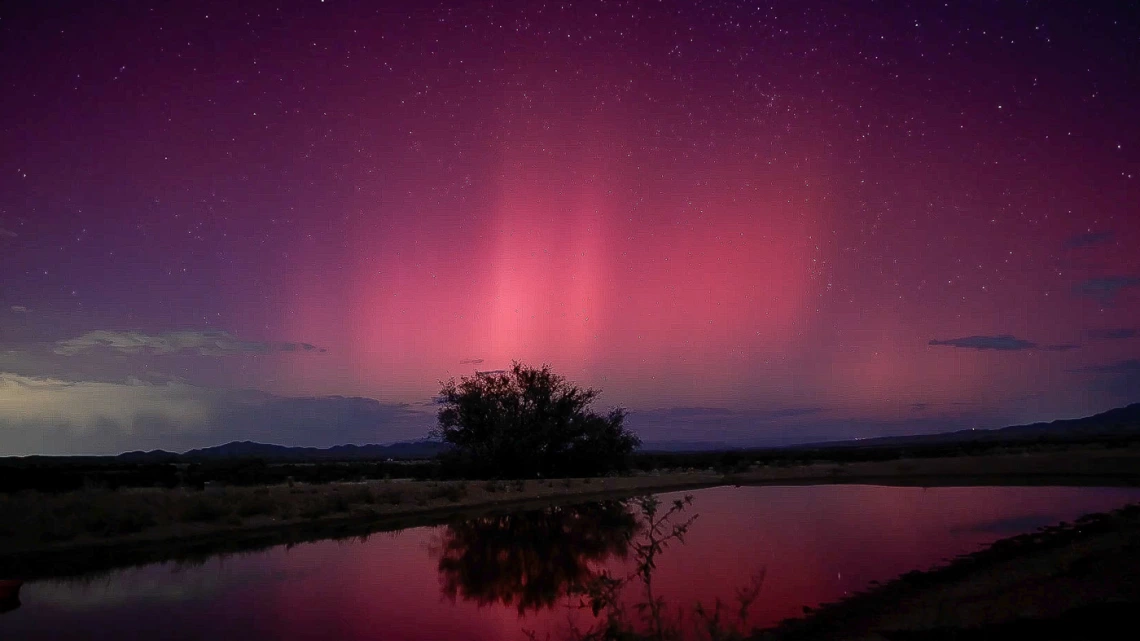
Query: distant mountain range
(249, 449)
(1115, 423)
(686, 446)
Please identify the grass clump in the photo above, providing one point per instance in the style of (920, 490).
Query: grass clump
(203, 510)
(453, 492)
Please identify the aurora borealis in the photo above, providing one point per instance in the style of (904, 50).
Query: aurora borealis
(747, 223)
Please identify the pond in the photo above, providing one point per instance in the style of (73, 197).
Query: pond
(780, 548)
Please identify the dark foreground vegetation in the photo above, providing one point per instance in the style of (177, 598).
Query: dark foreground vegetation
(67, 474)
(100, 528)
(93, 530)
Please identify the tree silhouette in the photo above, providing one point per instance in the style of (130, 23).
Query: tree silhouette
(529, 422)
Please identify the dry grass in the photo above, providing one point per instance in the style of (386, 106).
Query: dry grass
(33, 520)
(38, 521)
(28, 519)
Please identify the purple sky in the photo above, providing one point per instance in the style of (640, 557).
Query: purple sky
(290, 221)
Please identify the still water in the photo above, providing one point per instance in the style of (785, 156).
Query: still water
(497, 577)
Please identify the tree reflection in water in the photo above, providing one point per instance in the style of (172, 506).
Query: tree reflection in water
(532, 559)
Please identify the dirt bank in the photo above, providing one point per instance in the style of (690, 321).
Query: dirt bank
(1070, 581)
(92, 530)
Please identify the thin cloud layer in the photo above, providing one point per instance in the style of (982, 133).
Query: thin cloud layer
(1090, 239)
(204, 343)
(42, 415)
(85, 405)
(1113, 334)
(1003, 342)
(1105, 289)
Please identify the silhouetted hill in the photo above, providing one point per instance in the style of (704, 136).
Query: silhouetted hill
(249, 449)
(153, 456)
(1115, 423)
(685, 446)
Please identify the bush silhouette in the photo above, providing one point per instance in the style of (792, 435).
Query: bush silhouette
(529, 422)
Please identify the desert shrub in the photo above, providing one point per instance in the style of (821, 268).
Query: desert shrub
(257, 504)
(451, 492)
(203, 510)
(134, 518)
(392, 496)
(315, 510)
(338, 503)
(358, 494)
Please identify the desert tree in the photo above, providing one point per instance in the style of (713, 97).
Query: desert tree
(530, 422)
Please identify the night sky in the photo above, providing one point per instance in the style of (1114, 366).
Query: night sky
(747, 223)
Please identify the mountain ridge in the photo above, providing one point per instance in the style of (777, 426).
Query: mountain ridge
(1114, 423)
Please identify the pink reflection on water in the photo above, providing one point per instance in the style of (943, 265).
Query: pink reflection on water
(814, 543)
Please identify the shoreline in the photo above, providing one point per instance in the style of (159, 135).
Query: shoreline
(390, 505)
(1072, 580)
(180, 543)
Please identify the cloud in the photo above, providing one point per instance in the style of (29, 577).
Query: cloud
(302, 347)
(84, 404)
(471, 361)
(1089, 240)
(5, 233)
(20, 309)
(204, 343)
(1105, 289)
(1003, 342)
(44, 415)
(919, 407)
(1064, 347)
(1113, 334)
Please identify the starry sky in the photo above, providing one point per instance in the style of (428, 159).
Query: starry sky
(748, 223)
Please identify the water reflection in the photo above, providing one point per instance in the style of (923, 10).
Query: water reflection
(645, 615)
(532, 559)
(816, 543)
